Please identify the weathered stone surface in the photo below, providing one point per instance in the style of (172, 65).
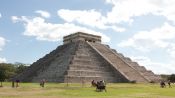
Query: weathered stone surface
(79, 60)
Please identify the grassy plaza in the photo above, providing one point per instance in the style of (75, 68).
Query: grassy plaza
(63, 90)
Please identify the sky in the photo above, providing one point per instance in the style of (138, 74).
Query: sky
(143, 30)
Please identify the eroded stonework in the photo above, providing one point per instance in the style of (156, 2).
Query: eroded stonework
(82, 57)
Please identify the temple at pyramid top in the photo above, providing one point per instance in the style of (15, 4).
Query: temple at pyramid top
(79, 36)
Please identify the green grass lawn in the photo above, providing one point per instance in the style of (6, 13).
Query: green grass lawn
(60, 90)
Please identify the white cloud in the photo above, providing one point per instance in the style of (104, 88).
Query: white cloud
(89, 18)
(167, 9)
(15, 19)
(123, 11)
(3, 60)
(171, 50)
(156, 67)
(2, 43)
(44, 14)
(126, 10)
(146, 40)
(42, 30)
(0, 15)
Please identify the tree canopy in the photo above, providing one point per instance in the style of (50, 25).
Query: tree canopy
(8, 70)
(172, 78)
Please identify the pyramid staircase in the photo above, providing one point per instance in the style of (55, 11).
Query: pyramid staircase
(131, 70)
(87, 65)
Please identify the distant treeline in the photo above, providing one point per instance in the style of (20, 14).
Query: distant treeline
(168, 77)
(8, 70)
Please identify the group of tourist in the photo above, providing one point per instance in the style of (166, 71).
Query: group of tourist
(15, 83)
(163, 84)
(100, 85)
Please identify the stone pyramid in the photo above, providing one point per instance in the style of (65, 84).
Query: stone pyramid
(82, 57)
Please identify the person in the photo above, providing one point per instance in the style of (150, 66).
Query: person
(169, 83)
(93, 84)
(13, 84)
(17, 83)
(104, 83)
(42, 82)
(101, 86)
(162, 84)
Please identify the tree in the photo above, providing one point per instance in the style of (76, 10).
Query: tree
(8, 70)
(2, 76)
(20, 68)
(172, 78)
(165, 76)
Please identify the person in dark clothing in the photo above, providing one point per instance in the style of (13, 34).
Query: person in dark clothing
(162, 84)
(13, 84)
(17, 83)
(169, 83)
(42, 82)
(93, 83)
(101, 86)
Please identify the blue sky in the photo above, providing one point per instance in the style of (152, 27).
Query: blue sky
(143, 30)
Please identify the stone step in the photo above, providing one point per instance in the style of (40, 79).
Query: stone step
(83, 49)
(88, 73)
(81, 61)
(140, 68)
(134, 64)
(93, 64)
(89, 67)
(154, 78)
(82, 52)
(82, 58)
(90, 61)
(148, 73)
(86, 57)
